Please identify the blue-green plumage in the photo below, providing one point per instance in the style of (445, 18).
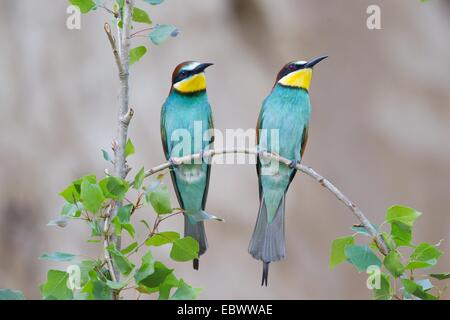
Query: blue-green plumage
(185, 122)
(282, 129)
(287, 110)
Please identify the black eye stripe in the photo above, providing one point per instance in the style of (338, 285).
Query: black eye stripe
(288, 69)
(182, 75)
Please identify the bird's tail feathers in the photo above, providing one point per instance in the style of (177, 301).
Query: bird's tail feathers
(196, 231)
(268, 243)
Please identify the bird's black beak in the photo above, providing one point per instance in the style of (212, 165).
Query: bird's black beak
(314, 61)
(201, 67)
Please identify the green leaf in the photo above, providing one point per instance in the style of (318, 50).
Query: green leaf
(157, 277)
(401, 233)
(117, 226)
(86, 266)
(402, 220)
(146, 269)
(425, 252)
(120, 3)
(162, 238)
(154, 2)
(425, 284)
(361, 230)
(70, 210)
(57, 256)
(337, 255)
(416, 290)
(106, 155)
(140, 15)
(162, 32)
(8, 294)
(60, 222)
(124, 213)
(129, 248)
(361, 257)
(70, 194)
(97, 290)
(184, 249)
(114, 187)
(96, 229)
(130, 229)
(84, 5)
(165, 288)
(56, 286)
(115, 285)
(402, 214)
(91, 196)
(393, 264)
(160, 199)
(185, 292)
(424, 255)
(129, 148)
(123, 264)
(135, 55)
(440, 276)
(385, 290)
(195, 216)
(139, 179)
(412, 265)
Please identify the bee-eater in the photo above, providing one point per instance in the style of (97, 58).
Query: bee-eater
(286, 110)
(186, 120)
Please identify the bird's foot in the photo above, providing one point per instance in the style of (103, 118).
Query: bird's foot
(293, 164)
(174, 162)
(202, 156)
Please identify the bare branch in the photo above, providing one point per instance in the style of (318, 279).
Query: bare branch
(384, 249)
(127, 117)
(121, 51)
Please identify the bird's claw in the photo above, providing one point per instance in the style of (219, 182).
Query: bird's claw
(173, 162)
(202, 155)
(293, 164)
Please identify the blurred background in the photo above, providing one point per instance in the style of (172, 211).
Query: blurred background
(380, 129)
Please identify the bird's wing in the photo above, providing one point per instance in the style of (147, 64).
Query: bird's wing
(167, 151)
(304, 141)
(302, 150)
(164, 133)
(208, 166)
(258, 164)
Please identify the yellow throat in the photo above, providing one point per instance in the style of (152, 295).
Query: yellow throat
(192, 84)
(298, 79)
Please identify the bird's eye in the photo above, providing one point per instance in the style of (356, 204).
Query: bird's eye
(183, 73)
(291, 67)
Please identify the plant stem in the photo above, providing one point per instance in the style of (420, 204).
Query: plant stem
(384, 249)
(140, 31)
(121, 53)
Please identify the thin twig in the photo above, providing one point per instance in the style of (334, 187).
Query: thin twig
(384, 249)
(115, 14)
(140, 31)
(112, 41)
(158, 220)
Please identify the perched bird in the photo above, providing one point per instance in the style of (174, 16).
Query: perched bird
(286, 110)
(185, 122)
